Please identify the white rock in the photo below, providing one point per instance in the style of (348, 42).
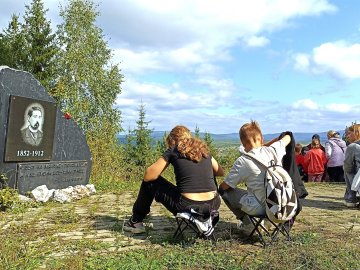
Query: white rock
(80, 191)
(69, 189)
(91, 188)
(62, 196)
(42, 193)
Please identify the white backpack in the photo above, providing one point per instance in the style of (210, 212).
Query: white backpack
(281, 200)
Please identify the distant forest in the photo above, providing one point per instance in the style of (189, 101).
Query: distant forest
(232, 139)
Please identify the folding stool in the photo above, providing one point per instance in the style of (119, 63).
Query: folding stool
(202, 226)
(260, 229)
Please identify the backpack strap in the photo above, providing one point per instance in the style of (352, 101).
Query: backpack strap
(273, 162)
(331, 143)
(264, 166)
(251, 156)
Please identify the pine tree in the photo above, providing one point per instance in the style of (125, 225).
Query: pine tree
(129, 147)
(40, 44)
(197, 132)
(12, 43)
(161, 144)
(143, 138)
(210, 143)
(30, 46)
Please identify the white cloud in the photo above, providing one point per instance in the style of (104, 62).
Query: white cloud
(339, 59)
(340, 108)
(310, 116)
(182, 33)
(302, 61)
(305, 104)
(255, 41)
(173, 97)
(138, 62)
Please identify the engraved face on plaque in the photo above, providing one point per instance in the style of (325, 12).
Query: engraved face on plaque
(30, 132)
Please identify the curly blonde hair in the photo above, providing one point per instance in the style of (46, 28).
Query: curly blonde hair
(356, 129)
(189, 147)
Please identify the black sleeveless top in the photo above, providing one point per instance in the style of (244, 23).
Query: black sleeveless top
(191, 176)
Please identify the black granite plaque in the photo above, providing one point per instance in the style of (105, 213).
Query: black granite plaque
(30, 133)
(53, 174)
(62, 141)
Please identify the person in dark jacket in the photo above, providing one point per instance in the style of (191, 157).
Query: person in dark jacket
(289, 164)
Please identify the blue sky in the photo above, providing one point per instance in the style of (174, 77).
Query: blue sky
(290, 65)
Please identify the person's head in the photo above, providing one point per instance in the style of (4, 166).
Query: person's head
(298, 148)
(333, 134)
(315, 136)
(353, 133)
(189, 147)
(34, 117)
(304, 150)
(250, 135)
(178, 134)
(315, 143)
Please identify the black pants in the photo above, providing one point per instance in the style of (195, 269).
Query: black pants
(336, 174)
(168, 195)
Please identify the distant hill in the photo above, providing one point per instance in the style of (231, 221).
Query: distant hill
(233, 138)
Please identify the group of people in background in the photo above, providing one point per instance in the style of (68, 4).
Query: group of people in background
(338, 161)
(317, 163)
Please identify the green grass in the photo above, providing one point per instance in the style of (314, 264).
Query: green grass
(307, 251)
(19, 249)
(30, 240)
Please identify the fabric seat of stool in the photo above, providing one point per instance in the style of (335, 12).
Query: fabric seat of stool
(202, 226)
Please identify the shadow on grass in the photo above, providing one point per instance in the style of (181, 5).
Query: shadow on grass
(104, 222)
(160, 229)
(324, 204)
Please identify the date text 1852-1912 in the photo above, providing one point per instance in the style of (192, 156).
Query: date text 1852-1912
(30, 153)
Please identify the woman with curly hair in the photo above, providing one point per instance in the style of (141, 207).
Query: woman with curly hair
(195, 170)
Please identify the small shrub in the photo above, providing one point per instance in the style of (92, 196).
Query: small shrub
(8, 198)
(3, 181)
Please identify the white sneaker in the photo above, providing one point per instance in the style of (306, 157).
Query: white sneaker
(350, 205)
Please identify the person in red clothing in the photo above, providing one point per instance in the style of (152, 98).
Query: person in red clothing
(299, 159)
(314, 161)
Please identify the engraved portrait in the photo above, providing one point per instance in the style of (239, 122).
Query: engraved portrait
(31, 131)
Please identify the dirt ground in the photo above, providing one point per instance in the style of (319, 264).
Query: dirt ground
(100, 218)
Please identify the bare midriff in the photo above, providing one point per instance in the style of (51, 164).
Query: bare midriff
(200, 196)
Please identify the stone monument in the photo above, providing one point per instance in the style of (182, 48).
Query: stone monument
(39, 145)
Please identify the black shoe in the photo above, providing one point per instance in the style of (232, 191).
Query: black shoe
(136, 228)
